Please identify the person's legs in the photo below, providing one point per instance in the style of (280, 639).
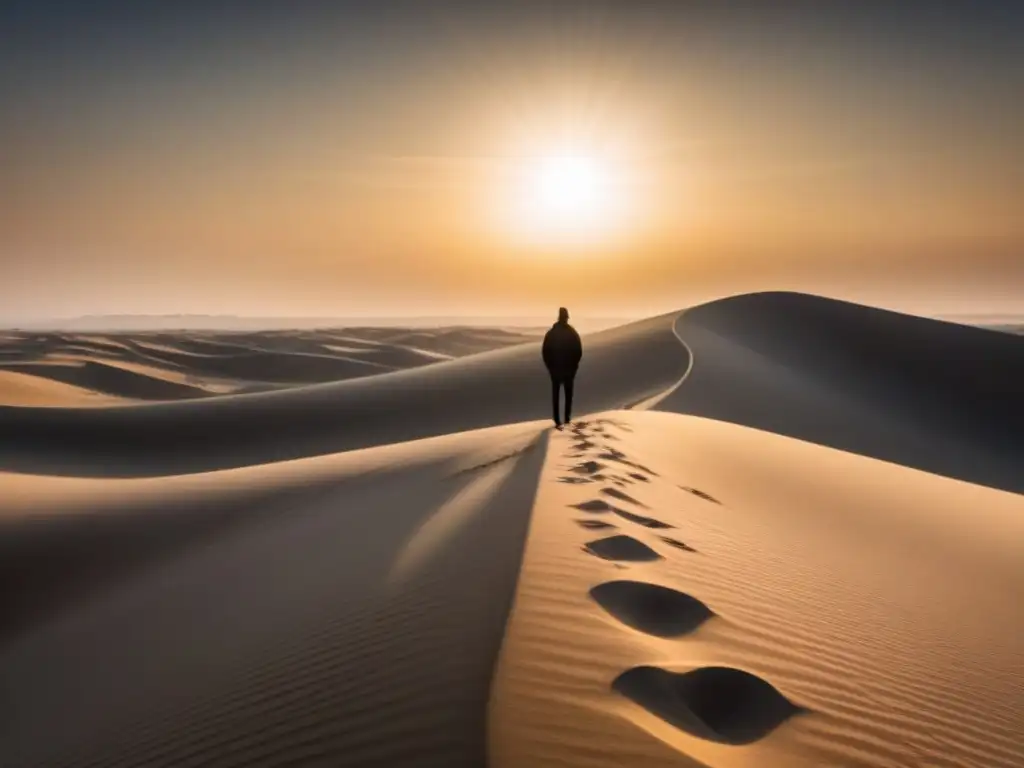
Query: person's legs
(568, 398)
(555, 384)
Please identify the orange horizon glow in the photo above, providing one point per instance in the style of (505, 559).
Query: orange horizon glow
(441, 175)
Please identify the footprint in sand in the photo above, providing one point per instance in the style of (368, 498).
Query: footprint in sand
(574, 480)
(594, 505)
(641, 478)
(677, 544)
(615, 493)
(610, 454)
(594, 524)
(646, 522)
(651, 608)
(588, 468)
(720, 704)
(623, 548)
(700, 494)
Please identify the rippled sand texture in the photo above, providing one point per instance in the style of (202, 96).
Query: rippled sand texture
(787, 532)
(794, 606)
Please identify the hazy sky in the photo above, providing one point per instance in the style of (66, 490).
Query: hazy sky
(346, 159)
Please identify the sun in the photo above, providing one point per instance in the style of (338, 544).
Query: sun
(571, 187)
(568, 198)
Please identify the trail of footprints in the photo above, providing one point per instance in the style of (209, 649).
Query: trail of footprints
(720, 704)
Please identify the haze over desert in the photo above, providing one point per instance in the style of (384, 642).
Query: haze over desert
(511, 385)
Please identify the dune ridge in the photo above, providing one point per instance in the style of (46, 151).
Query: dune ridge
(233, 618)
(199, 364)
(829, 609)
(624, 365)
(785, 533)
(23, 389)
(925, 393)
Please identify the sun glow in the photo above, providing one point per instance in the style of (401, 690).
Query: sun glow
(568, 199)
(571, 187)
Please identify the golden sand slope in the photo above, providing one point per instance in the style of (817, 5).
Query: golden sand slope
(23, 389)
(881, 604)
(761, 589)
(344, 610)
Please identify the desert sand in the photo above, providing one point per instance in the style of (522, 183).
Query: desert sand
(164, 365)
(784, 531)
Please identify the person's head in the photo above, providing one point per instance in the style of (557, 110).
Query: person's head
(563, 315)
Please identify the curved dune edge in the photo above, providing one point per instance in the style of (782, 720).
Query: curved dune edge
(205, 363)
(928, 394)
(508, 386)
(129, 382)
(834, 577)
(345, 610)
(26, 390)
(253, 593)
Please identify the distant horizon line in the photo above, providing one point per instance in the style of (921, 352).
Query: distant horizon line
(157, 322)
(131, 321)
(206, 315)
(269, 322)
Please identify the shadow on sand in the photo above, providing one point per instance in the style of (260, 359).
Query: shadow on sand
(930, 395)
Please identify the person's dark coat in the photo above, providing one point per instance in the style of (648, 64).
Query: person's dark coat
(562, 351)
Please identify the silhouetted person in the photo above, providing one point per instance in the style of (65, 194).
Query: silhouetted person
(562, 351)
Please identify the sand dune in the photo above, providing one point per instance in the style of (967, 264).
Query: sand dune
(624, 366)
(115, 378)
(23, 389)
(828, 609)
(343, 611)
(200, 364)
(787, 534)
(933, 395)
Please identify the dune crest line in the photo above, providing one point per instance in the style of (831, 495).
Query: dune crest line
(505, 386)
(353, 622)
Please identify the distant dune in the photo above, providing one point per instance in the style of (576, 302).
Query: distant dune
(171, 366)
(1017, 328)
(786, 533)
(624, 366)
(25, 389)
(192, 323)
